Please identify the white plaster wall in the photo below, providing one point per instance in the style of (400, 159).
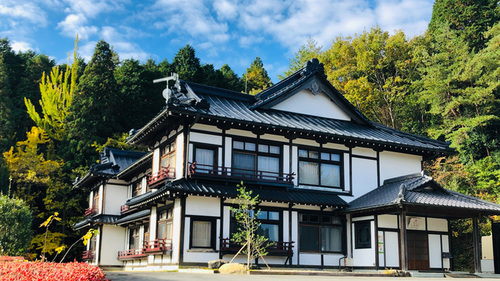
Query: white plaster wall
(226, 221)
(446, 248)
(319, 105)
(228, 152)
(114, 197)
(274, 138)
(198, 255)
(364, 177)
(203, 206)
(179, 156)
(391, 249)
(295, 164)
(91, 199)
(387, 221)
(204, 127)
(415, 223)
(240, 133)
(306, 142)
(295, 236)
(365, 257)
(332, 259)
(435, 251)
(286, 159)
(176, 232)
(434, 224)
(205, 138)
(348, 234)
(393, 164)
(335, 146)
(286, 223)
(156, 160)
(112, 240)
(362, 151)
(153, 218)
(310, 259)
(101, 199)
(347, 174)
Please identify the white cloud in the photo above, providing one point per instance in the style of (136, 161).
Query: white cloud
(226, 9)
(411, 16)
(21, 46)
(75, 24)
(23, 13)
(92, 8)
(122, 47)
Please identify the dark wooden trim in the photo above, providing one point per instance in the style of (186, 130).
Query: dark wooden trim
(375, 226)
(476, 237)
(403, 242)
(185, 152)
(350, 171)
(223, 148)
(364, 157)
(378, 170)
(221, 226)
(100, 245)
(182, 229)
(290, 239)
(213, 229)
(450, 246)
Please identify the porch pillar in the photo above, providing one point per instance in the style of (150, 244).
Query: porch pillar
(404, 241)
(476, 236)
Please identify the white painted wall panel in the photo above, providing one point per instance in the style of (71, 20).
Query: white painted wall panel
(332, 259)
(295, 164)
(365, 257)
(227, 220)
(310, 259)
(205, 138)
(387, 221)
(156, 160)
(286, 232)
(393, 164)
(362, 151)
(435, 251)
(176, 232)
(203, 206)
(295, 237)
(364, 177)
(113, 239)
(391, 249)
(316, 105)
(347, 175)
(286, 159)
(434, 224)
(179, 156)
(114, 197)
(228, 152)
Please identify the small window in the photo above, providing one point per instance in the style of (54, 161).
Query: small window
(202, 233)
(362, 231)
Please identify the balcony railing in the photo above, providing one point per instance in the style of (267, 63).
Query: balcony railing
(243, 174)
(164, 173)
(277, 248)
(88, 255)
(149, 247)
(90, 211)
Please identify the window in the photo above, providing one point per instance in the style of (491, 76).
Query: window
(270, 225)
(252, 159)
(206, 159)
(322, 169)
(145, 238)
(320, 233)
(168, 156)
(133, 241)
(202, 233)
(95, 201)
(362, 232)
(137, 188)
(165, 222)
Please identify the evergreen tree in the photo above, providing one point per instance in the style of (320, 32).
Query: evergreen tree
(231, 80)
(256, 78)
(306, 52)
(95, 113)
(469, 18)
(15, 226)
(187, 65)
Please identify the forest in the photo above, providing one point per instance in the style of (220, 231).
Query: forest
(444, 84)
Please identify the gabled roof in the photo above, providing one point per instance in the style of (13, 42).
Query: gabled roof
(211, 104)
(281, 195)
(420, 190)
(112, 161)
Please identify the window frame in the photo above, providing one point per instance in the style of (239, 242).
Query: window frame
(233, 225)
(319, 225)
(215, 149)
(134, 233)
(320, 161)
(169, 218)
(136, 188)
(213, 231)
(358, 226)
(256, 153)
(166, 152)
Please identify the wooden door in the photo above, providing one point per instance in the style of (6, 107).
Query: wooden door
(418, 250)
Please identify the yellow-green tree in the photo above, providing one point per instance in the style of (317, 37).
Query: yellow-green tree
(57, 90)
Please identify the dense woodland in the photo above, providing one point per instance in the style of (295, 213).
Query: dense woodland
(443, 84)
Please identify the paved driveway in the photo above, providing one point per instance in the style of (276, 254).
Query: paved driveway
(176, 276)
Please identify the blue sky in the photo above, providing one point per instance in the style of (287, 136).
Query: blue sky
(221, 31)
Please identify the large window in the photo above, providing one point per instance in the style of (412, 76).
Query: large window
(270, 225)
(320, 233)
(165, 222)
(134, 238)
(202, 232)
(206, 159)
(262, 160)
(362, 233)
(168, 156)
(320, 168)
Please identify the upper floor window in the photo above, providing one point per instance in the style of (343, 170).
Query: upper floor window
(168, 156)
(134, 238)
(320, 168)
(205, 157)
(262, 160)
(165, 222)
(136, 188)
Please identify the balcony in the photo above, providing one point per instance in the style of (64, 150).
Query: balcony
(157, 246)
(278, 248)
(90, 211)
(88, 255)
(164, 173)
(239, 174)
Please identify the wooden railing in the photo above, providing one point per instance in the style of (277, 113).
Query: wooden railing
(277, 248)
(88, 255)
(90, 211)
(124, 208)
(227, 172)
(149, 247)
(164, 173)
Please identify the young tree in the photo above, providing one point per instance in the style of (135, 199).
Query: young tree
(15, 226)
(256, 78)
(253, 244)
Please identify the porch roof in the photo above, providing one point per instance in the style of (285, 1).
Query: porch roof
(99, 219)
(134, 217)
(423, 191)
(272, 194)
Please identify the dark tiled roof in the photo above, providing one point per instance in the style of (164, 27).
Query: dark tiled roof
(134, 217)
(284, 195)
(138, 166)
(98, 219)
(419, 190)
(112, 162)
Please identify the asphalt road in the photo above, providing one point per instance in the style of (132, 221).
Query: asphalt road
(176, 276)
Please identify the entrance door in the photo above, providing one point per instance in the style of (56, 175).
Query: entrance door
(418, 250)
(495, 230)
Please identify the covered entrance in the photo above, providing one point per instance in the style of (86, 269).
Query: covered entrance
(418, 250)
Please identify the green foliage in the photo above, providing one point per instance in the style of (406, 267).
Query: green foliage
(15, 226)
(47, 243)
(57, 90)
(306, 52)
(187, 65)
(256, 78)
(246, 217)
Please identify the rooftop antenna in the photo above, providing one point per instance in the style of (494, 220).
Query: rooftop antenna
(167, 91)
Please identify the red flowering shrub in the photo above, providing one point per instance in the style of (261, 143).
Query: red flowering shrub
(49, 271)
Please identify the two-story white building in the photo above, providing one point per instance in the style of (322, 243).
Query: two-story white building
(335, 188)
